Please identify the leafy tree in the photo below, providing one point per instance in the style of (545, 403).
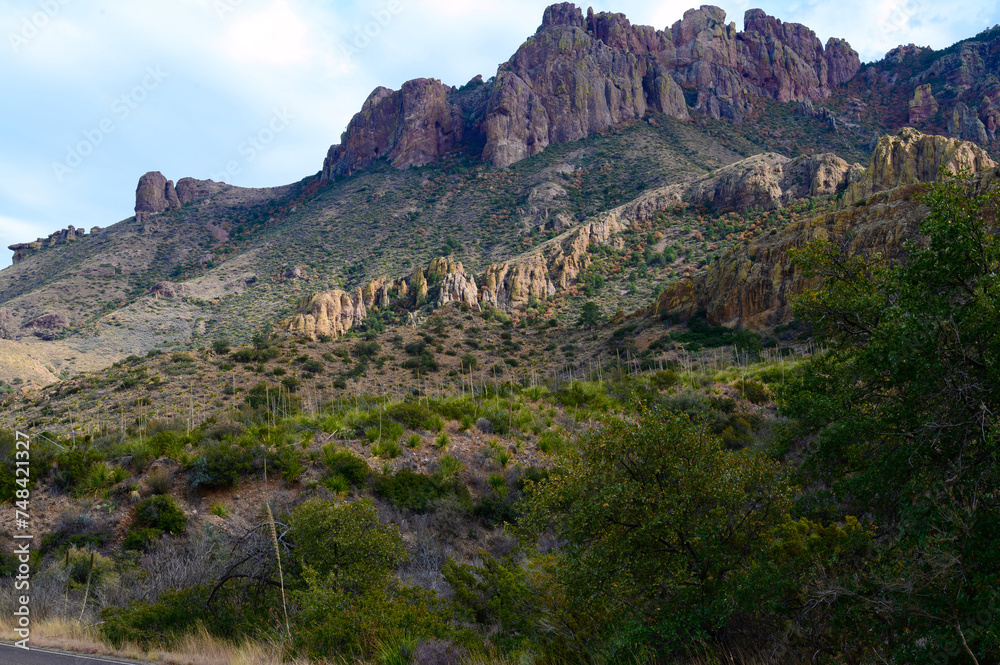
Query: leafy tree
(590, 315)
(903, 410)
(345, 544)
(659, 521)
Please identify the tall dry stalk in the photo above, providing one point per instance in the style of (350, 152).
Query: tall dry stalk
(277, 554)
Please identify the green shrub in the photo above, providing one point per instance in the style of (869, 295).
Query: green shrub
(72, 467)
(155, 624)
(336, 483)
(409, 490)
(552, 443)
(160, 512)
(411, 415)
(287, 461)
(387, 448)
(755, 391)
(345, 463)
(220, 464)
(434, 423)
(141, 539)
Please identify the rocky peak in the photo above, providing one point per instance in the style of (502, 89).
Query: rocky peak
(410, 127)
(155, 194)
(564, 13)
(578, 75)
(909, 157)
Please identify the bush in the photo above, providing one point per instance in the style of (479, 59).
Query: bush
(755, 391)
(409, 490)
(72, 466)
(411, 415)
(160, 512)
(221, 464)
(141, 539)
(346, 464)
(155, 624)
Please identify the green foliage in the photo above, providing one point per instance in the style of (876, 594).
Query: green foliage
(410, 491)
(220, 464)
(902, 413)
(345, 464)
(72, 467)
(160, 512)
(659, 520)
(590, 315)
(141, 539)
(411, 415)
(345, 544)
(155, 624)
(495, 594)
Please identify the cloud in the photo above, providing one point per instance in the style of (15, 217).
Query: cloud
(276, 35)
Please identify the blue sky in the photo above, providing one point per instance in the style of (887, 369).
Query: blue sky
(97, 92)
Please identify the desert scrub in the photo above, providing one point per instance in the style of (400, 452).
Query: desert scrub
(161, 513)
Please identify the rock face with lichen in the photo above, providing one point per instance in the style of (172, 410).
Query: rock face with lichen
(331, 313)
(580, 74)
(752, 284)
(910, 157)
(412, 126)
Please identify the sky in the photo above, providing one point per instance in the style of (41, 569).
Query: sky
(254, 92)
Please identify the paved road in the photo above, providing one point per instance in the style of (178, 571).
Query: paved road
(10, 655)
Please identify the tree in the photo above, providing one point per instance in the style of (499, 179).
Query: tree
(590, 315)
(903, 410)
(658, 521)
(345, 543)
(220, 346)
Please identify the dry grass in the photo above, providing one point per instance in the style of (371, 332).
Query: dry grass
(198, 648)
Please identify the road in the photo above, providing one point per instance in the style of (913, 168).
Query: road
(10, 655)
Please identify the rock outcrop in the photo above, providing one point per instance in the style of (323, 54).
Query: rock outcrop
(923, 106)
(455, 285)
(412, 126)
(910, 157)
(766, 181)
(954, 90)
(190, 189)
(23, 250)
(154, 194)
(752, 285)
(168, 290)
(10, 324)
(332, 313)
(580, 74)
(47, 326)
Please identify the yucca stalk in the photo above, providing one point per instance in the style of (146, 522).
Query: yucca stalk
(277, 554)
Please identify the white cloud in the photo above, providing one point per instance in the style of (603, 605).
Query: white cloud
(276, 35)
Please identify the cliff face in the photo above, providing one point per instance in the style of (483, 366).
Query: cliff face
(910, 157)
(580, 74)
(155, 194)
(409, 127)
(752, 285)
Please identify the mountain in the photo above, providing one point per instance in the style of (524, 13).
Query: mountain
(603, 160)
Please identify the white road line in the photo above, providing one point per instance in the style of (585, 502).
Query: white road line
(68, 654)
